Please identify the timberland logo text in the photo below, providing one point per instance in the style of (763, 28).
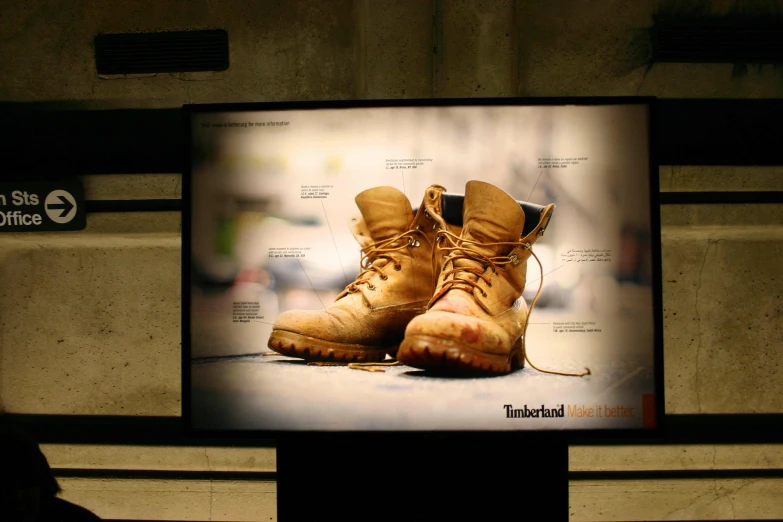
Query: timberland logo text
(524, 412)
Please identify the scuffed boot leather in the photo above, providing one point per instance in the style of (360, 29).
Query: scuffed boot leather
(368, 319)
(477, 317)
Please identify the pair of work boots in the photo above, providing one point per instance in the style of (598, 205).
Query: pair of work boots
(440, 289)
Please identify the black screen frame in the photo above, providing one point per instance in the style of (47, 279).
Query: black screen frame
(393, 437)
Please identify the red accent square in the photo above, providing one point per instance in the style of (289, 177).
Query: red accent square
(648, 411)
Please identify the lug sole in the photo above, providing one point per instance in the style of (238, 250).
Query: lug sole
(433, 354)
(308, 348)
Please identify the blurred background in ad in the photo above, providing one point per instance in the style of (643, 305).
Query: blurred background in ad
(249, 181)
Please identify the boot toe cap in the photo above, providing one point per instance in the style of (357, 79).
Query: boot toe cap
(332, 325)
(312, 323)
(460, 330)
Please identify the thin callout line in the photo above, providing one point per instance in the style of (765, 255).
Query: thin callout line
(535, 184)
(533, 281)
(311, 284)
(335, 242)
(539, 279)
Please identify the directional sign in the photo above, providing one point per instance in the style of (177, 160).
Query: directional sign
(42, 207)
(60, 206)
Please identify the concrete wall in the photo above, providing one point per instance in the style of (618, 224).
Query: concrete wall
(106, 337)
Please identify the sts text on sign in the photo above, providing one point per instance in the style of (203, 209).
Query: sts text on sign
(42, 207)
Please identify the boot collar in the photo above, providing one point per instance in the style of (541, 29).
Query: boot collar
(536, 216)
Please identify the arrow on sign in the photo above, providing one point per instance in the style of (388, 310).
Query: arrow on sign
(64, 204)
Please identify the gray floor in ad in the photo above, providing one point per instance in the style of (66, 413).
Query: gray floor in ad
(252, 391)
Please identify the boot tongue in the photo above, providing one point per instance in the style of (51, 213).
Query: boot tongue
(490, 215)
(386, 211)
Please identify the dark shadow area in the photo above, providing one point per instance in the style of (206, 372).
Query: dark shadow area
(719, 132)
(28, 488)
(225, 358)
(59, 140)
(295, 362)
(169, 431)
(439, 478)
(453, 374)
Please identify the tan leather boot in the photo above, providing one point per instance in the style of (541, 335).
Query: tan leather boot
(368, 319)
(477, 317)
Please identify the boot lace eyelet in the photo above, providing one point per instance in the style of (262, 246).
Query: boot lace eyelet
(427, 215)
(371, 287)
(483, 293)
(398, 267)
(489, 285)
(384, 277)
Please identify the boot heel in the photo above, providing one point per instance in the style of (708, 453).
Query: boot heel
(518, 355)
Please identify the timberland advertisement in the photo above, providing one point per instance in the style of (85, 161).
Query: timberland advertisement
(421, 269)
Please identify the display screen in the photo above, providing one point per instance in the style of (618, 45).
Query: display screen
(452, 266)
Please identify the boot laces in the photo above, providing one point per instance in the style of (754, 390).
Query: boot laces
(458, 250)
(381, 250)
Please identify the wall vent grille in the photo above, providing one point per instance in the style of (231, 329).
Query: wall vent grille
(167, 52)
